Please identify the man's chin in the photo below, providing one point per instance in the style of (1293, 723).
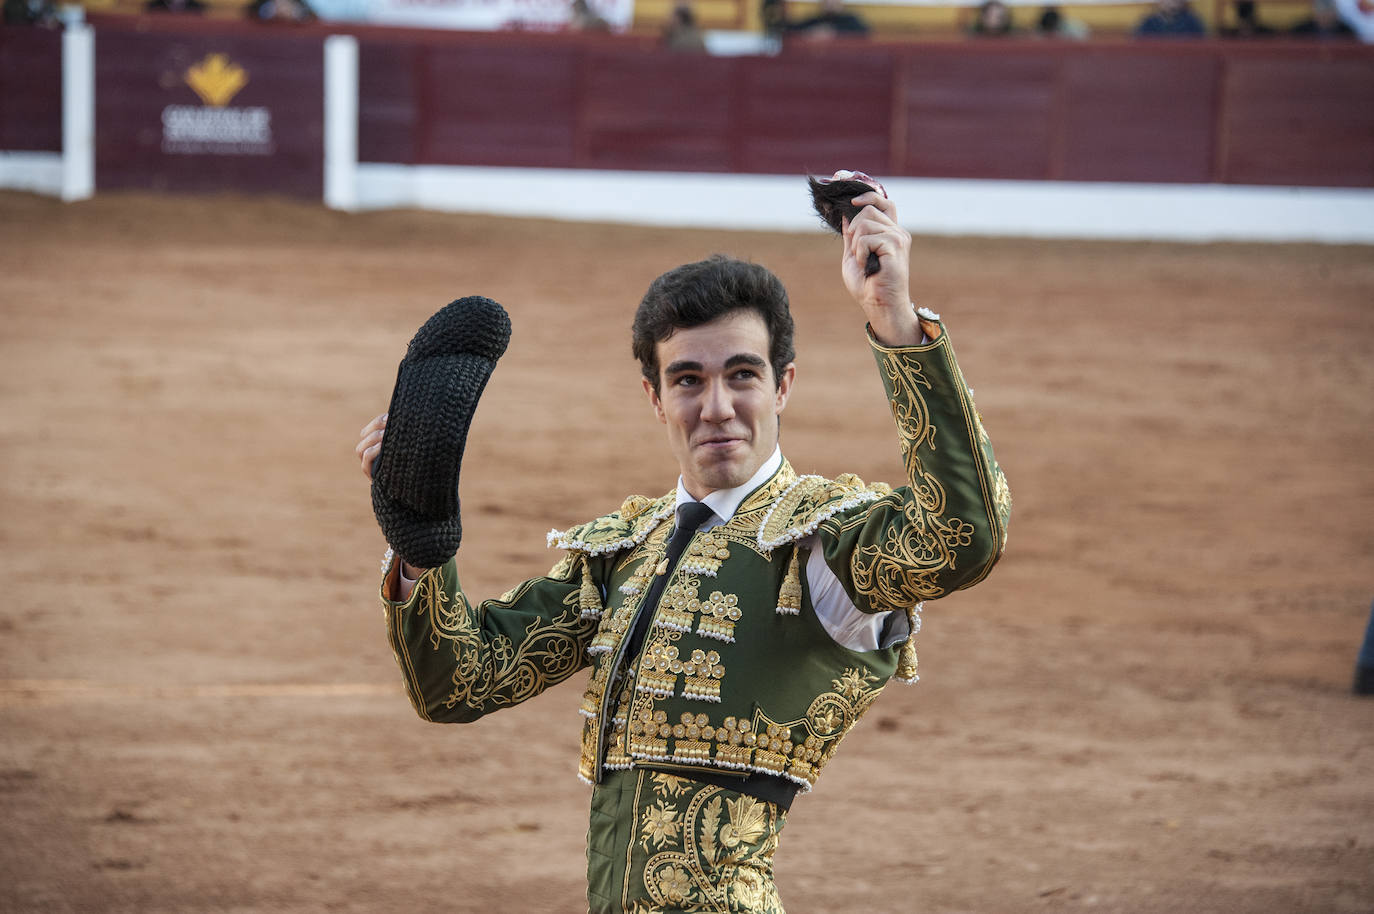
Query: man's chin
(725, 474)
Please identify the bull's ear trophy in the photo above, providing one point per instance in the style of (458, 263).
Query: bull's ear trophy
(830, 196)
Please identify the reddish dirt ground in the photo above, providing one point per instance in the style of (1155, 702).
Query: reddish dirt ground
(1146, 708)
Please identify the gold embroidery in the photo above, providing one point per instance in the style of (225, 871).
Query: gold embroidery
(659, 824)
(795, 749)
(716, 855)
(658, 670)
(703, 674)
(500, 674)
(705, 553)
(751, 511)
(678, 604)
(834, 713)
(809, 502)
(900, 570)
(718, 616)
(628, 527)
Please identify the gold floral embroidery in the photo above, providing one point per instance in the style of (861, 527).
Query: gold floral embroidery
(667, 785)
(659, 824)
(901, 568)
(748, 822)
(499, 673)
(674, 884)
(834, 713)
(716, 852)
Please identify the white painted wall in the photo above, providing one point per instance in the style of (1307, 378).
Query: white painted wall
(1205, 212)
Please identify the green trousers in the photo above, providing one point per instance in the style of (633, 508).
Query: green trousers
(662, 844)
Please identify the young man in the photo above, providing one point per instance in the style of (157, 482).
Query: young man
(738, 627)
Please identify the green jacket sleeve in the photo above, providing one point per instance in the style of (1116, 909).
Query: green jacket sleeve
(947, 527)
(460, 662)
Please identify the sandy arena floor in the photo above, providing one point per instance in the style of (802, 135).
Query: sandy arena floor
(1145, 709)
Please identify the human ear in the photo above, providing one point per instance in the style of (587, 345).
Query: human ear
(789, 374)
(653, 399)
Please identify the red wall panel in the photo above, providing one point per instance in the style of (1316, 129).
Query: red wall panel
(494, 105)
(815, 111)
(1129, 116)
(30, 89)
(1274, 112)
(387, 101)
(1302, 121)
(650, 110)
(980, 116)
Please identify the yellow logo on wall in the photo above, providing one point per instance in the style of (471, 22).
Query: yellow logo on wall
(216, 79)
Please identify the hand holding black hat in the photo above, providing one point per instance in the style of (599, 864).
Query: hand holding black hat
(415, 473)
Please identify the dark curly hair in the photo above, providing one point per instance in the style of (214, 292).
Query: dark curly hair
(698, 293)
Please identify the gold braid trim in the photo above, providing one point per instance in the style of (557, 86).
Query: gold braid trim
(810, 501)
(901, 569)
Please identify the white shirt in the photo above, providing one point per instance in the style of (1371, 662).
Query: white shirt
(858, 631)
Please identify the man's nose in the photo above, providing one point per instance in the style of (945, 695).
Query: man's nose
(718, 404)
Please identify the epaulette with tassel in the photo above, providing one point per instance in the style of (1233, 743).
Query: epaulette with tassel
(809, 502)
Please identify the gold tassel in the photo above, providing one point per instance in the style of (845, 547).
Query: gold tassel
(588, 596)
(790, 596)
(906, 654)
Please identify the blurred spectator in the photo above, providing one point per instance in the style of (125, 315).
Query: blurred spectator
(280, 11)
(1171, 19)
(773, 13)
(1054, 24)
(1324, 23)
(681, 33)
(585, 20)
(993, 20)
(832, 21)
(175, 6)
(1247, 22)
(30, 12)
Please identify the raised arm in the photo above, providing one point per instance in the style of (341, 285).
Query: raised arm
(947, 526)
(461, 661)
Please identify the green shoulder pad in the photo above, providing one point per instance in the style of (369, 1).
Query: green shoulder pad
(612, 533)
(810, 501)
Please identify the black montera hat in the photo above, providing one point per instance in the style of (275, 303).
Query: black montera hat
(415, 477)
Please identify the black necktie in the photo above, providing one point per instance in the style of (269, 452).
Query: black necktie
(690, 516)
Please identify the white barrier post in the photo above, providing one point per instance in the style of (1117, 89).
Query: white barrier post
(78, 112)
(341, 122)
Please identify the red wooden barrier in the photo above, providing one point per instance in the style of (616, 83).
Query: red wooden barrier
(1196, 112)
(30, 89)
(1272, 112)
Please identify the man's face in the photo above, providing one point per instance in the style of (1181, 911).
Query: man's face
(719, 399)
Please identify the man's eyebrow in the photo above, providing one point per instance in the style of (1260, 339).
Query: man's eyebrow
(680, 366)
(745, 358)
